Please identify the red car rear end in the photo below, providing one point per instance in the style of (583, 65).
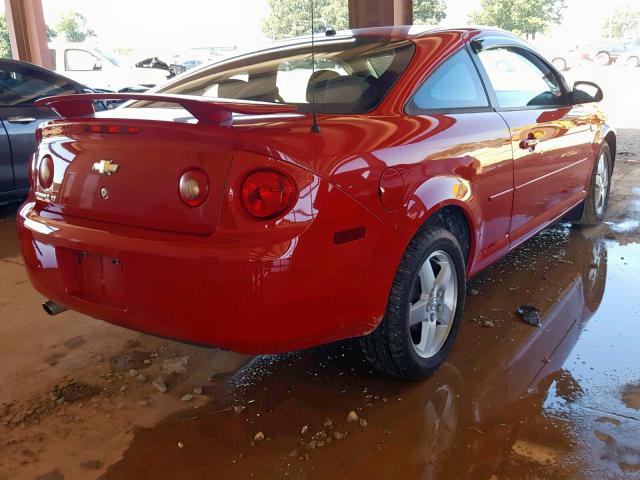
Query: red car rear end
(216, 212)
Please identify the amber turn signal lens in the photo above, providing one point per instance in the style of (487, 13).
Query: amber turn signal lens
(194, 187)
(45, 172)
(267, 193)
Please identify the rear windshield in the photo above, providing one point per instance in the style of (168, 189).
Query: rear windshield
(351, 75)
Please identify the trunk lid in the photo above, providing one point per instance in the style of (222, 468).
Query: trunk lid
(131, 178)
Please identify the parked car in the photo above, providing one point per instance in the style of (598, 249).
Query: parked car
(563, 57)
(609, 51)
(21, 84)
(260, 220)
(98, 68)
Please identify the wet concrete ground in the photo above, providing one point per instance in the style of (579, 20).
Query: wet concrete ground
(512, 401)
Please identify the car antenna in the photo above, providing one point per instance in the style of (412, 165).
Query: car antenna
(315, 128)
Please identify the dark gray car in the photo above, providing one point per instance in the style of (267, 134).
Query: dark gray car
(21, 84)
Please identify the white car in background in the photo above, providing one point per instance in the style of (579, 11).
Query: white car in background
(100, 69)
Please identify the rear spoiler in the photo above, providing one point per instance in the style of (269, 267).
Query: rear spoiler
(205, 110)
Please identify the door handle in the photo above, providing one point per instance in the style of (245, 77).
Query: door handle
(529, 144)
(21, 120)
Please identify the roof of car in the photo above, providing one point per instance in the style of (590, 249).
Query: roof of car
(401, 31)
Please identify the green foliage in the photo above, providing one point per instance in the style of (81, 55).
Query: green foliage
(622, 22)
(522, 17)
(429, 12)
(292, 18)
(5, 42)
(73, 27)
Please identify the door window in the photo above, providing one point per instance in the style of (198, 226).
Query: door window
(454, 85)
(81, 60)
(20, 85)
(520, 79)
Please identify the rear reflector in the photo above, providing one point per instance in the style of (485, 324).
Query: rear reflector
(111, 129)
(194, 187)
(45, 172)
(351, 235)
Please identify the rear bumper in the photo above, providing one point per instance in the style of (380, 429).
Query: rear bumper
(218, 290)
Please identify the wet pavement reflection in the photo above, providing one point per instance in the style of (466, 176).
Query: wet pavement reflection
(512, 402)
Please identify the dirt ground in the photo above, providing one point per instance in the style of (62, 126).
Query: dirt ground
(82, 399)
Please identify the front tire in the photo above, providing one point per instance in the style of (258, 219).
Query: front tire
(597, 201)
(424, 311)
(560, 64)
(603, 58)
(633, 62)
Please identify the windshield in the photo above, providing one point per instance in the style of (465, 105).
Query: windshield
(351, 75)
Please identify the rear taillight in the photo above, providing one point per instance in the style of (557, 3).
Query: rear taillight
(45, 172)
(267, 193)
(194, 187)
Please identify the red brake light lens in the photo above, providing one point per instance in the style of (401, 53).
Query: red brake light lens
(267, 193)
(45, 172)
(194, 187)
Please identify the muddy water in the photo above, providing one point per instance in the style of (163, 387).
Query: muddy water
(513, 401)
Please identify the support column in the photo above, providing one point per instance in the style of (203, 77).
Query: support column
(27, 30)
(379, 13)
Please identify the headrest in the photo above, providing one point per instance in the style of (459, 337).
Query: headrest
(318, 81)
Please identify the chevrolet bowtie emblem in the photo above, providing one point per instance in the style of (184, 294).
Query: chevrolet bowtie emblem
(105, 167)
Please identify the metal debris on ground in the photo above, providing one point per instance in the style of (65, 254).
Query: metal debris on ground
(530, 314)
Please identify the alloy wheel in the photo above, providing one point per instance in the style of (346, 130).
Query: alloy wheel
(433, 304)
(601, 184)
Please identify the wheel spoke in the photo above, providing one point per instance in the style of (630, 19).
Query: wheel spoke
(427, 277)
(427, 333)
(418, 311)
(444, 275)
(445, 316)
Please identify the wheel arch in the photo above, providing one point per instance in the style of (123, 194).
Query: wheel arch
(454, 218)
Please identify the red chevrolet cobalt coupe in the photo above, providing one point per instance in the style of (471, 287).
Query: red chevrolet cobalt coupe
(216, 210)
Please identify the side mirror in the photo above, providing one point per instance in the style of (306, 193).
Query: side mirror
(97, 65)
(586, 92)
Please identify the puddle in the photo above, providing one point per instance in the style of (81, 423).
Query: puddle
(631, 396)
(513, 401)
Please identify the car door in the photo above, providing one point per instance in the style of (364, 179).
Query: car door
(85, 67)
(6, 168)
(550, 138)
(20, 86)
(464, 132)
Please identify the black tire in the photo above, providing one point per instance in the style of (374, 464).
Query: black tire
(603, 58)
(633, 62)
(560, 64)
(390, 347)
(590, 213)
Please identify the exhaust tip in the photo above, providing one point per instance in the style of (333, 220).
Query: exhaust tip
(52, 308)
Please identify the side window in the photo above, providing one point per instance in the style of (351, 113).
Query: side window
(454, 85)
(520, 79)
(23, 86)
(81, 60)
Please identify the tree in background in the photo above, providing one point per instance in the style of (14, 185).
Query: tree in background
(292, 18)
(429, 12)
(622, 22)
(73, 27)
(522, 17)
(5, 42)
